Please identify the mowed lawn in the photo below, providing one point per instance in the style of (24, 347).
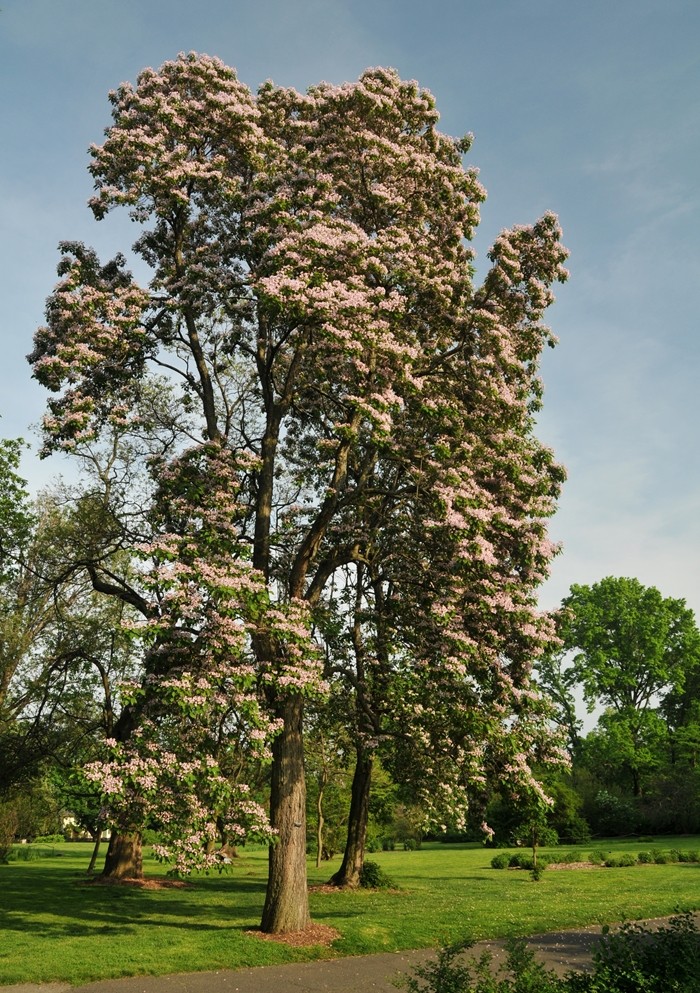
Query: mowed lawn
(56, 926)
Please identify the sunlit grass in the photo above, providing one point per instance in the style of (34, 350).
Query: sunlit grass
(56, 926)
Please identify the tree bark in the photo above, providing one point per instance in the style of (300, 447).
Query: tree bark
(97, 839)
(124, 859)
(287, 899)
(320, 822)
(349, 872)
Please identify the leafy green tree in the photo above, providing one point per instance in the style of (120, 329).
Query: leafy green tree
(631, 648)
(631, 645)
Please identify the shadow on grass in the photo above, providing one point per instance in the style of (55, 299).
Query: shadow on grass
(57, 902)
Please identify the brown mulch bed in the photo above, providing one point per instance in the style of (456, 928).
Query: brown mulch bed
(142, 884)
(572, 865)
(312, 934)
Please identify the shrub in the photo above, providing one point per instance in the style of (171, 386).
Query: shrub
(523, 860)
(445, 974)
(636, 960)
(520, 860)
(501, 861)
(373, 877)
(660, 857)
(623, 860)
(645, 858)
(599, 857)
(571, 856)
(631, 960)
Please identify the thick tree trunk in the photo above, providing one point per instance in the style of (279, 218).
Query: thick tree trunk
(287, 900)
(354, 857)
(124, 859)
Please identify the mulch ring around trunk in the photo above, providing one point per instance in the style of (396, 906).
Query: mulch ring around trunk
(312, 934)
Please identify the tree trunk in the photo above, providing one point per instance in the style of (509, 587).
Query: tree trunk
(320, 822)
(124, 859)
(287, 899)
(354, 857)
(97, 838)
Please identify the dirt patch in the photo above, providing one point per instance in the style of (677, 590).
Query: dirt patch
(572, 865)
(312, 934)
(141, 884)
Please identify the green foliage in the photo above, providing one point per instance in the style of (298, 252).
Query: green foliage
(572, 855)
(625, 860)
(523, 860)
(500, 861)
(449, 972)
(633, 959)
(631, 642)
(373, 877)
(8, 828)
(636, 654)
(613, 815)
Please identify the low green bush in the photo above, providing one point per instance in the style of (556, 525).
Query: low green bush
(645, 858)
(448, 974)
(572, 856)
(500, 861)
(373, 877)
(633, 959)
(624, 860)
(524, 860)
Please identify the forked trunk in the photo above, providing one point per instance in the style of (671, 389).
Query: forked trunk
(124, 859)
(349, 872)
(287, 900)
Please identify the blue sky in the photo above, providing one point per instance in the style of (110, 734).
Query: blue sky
(590, 109)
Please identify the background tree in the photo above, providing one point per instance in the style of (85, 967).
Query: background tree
(631, 648)
(311, 307)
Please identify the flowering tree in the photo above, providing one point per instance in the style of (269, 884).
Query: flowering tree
(312, 312)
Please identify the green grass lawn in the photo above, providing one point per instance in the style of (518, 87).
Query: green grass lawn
(55, 926)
